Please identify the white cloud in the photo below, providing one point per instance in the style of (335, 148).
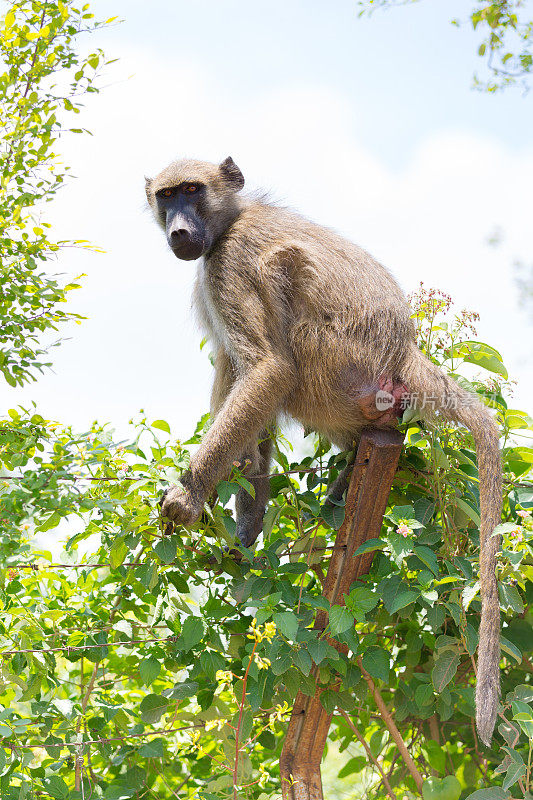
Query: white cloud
(427, 222)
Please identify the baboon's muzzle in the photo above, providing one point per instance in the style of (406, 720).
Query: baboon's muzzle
(185, 245)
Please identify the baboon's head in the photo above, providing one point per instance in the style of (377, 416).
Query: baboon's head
(195, 202)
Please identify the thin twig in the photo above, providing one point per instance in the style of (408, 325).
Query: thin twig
(391, 725)
(102, 741)
(79, 761)
(309, 554)
(68, 648)
(238, 728)
(369, 753)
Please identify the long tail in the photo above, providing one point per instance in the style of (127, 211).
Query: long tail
(426, 381)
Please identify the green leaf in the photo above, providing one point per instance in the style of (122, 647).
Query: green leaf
(226, 490)
(376, 662)
(211, 662)
(446, 664)
(246, 485)
(396, 594)
(494, 793)
(162, 425)
(184, 689)
(292, 679)
(423, 694)
(515, 772)
(403, 598)
(510, 649)
(192, 633)
(369, 546)
(436, 616)
(470, 639)
(427, 557)
(149, 670)
(447, 788)
(522, 692)
(469, 593)
(328, 700)
(152, 749)
(118, 553)
(510, 598)
(354, 765)
(318, 649)
(303, 661)
(399, 513)
(282, 662)
(166, 549)
(332, 515)
(287, 622)
(51, 521)
(152, 707)
(482, 355)
(57, 788)
(267, 740)
(435, 755)
(340, 620)
(352, 677)
(119, 791)
(525, 720)
(361, 600)
(134, 778)
(469, 510)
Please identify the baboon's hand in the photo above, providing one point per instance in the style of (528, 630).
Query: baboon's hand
(180, 505)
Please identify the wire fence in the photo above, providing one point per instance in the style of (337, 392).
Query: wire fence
(145, 734)
(67, 648)
(119, 478)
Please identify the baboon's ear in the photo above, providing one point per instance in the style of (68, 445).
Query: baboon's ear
(232, 174)
(147, 186)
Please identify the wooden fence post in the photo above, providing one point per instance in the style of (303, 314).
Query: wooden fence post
(366, 500)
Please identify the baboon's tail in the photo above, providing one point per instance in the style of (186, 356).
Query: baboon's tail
(428, 384)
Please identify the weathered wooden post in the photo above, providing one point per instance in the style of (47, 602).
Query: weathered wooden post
(374, 467)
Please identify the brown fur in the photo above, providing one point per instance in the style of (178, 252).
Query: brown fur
(307, 323)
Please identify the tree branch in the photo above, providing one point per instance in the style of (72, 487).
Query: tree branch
(369, 753)
(391, 726)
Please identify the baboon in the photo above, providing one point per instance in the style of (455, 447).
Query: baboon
(307, 323)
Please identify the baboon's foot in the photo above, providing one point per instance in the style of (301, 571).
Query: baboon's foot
(179, 505)
(248, 529)
(386, 404)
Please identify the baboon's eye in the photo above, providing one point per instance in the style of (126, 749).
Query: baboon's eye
(167, 192)
(190, 188)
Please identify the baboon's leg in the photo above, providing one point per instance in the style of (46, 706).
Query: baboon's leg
(250, 510)
(339, 486)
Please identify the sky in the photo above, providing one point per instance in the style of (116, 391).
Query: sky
(367, 125)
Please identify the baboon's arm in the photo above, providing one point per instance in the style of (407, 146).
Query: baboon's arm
(255, 373)
(223, 381)
(252, 403)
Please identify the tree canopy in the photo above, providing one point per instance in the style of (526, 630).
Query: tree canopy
(506, 38)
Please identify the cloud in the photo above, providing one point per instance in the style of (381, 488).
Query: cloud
(427, 221)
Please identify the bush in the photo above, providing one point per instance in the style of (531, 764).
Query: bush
(145, 663)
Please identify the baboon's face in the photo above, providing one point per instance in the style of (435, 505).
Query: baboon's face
(195, 201)
(187, 233)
